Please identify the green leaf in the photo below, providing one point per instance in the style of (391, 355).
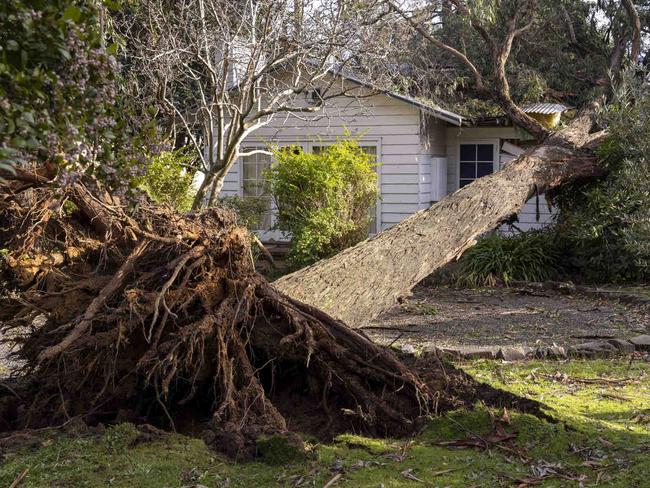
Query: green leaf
(72, 13)
(18, 142)
(112, 4)
(29, 117)
(112, 49)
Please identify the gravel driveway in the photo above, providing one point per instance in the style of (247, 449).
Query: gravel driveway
(447, 317)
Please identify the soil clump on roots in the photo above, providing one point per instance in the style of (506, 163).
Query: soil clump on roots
(149, 316)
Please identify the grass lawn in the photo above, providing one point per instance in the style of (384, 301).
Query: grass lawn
(602, 438)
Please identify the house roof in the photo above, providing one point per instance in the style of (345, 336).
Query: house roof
(545, 108)
(425, 105)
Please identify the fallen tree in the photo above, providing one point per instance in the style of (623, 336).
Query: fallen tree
(151, 316)
(359, 283)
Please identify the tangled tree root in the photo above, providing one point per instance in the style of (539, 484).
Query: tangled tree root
(150, 316)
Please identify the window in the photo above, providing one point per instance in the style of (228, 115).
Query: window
(253, 167)
(476, 160)
(372, 151)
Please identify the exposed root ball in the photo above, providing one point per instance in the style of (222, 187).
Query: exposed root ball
(155, 317)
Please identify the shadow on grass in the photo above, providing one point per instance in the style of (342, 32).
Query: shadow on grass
(595, 438)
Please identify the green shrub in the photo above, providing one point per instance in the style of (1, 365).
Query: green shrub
(323, 199)
(250, 210)
(65, 98)
(606, 225)
(529, 256)
(168, 179)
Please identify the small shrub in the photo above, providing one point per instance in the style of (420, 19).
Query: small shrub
(250, 210)
(323, 199)
(530, 256)
(168, 179)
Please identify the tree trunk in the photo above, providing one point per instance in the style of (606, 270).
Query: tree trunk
(199, 198)
(359, 283)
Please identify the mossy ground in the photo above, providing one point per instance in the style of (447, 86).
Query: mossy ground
(602, 433)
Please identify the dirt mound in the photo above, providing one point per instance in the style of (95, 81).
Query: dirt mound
(149, 316)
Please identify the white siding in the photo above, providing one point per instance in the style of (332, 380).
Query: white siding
(494, 135)
(527, 218)
(393, 126)
(232, 182)
(433, 145)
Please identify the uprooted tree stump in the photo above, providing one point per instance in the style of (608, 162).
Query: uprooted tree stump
(151, 316)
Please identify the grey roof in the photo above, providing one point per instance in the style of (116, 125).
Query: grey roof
(425, 106)
(545, 108)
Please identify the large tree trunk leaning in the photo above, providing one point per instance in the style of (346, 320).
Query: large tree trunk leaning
(359, 283)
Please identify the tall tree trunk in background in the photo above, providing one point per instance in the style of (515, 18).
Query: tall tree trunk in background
(359, 283)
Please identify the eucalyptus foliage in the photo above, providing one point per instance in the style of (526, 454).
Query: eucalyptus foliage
(324, 199)
(606, 224)
(561, 55)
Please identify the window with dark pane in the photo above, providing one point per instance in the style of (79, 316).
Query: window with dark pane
(476, 160)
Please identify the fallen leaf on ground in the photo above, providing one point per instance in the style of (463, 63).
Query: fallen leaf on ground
(443, 471)
(333, 480)
(408, 474)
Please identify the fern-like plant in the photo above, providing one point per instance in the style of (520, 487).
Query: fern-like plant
(495, 259)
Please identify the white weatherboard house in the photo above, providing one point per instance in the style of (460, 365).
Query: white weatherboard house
(424, 153)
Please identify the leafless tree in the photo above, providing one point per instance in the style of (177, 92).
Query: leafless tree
(221, 69)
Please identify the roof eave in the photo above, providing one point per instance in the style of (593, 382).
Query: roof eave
(439, 113)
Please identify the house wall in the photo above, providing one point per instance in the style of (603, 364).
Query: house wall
(527, 218)
(393, 125)
(433, 147)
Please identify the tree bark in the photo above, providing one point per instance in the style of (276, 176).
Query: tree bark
(359, 283)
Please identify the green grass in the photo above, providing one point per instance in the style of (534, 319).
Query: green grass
(602, 423)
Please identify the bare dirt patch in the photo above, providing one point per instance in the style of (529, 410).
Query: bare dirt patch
(447, 317)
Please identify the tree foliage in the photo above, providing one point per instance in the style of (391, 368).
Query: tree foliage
(323, 199)
(62, 94)
(606, 224)
(561, 55)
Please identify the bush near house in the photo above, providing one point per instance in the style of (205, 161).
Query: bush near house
(167, 179)
(323, 199)
(530, 256)
(250, 210)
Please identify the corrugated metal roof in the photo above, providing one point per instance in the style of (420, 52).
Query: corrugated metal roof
(545, 108)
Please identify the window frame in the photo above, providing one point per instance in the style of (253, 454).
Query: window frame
(495, 155)
(306, 146)
(242, 181)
